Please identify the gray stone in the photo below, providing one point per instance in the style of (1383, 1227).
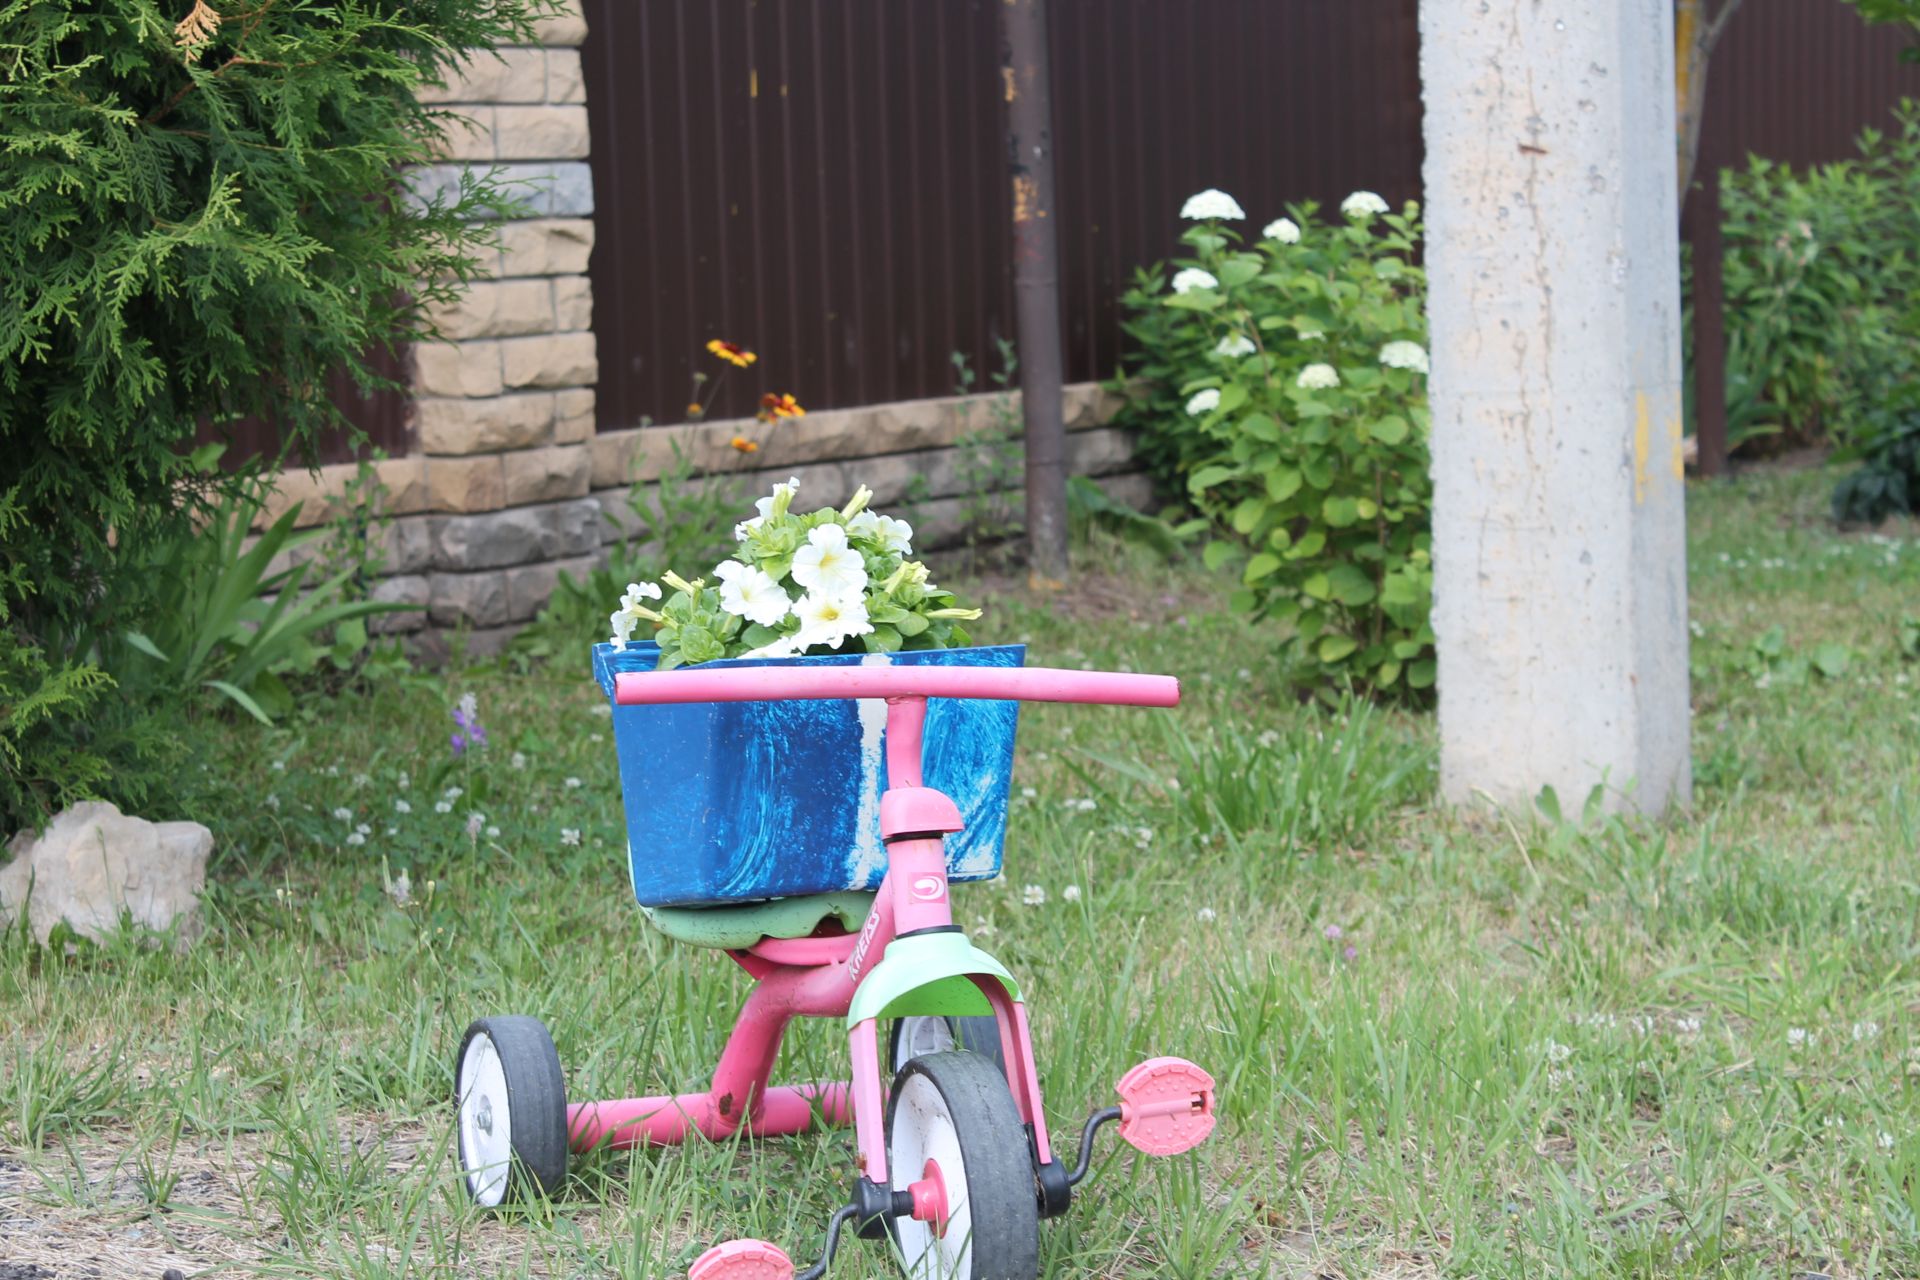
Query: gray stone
(411, 588)
(94, 865)
(563, 189)
(530, 585)
(409, 544)
(517, 535)
(478, 599)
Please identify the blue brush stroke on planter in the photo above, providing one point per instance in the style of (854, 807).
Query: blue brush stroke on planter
(738, 801)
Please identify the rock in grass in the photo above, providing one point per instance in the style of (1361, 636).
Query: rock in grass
(94, 865)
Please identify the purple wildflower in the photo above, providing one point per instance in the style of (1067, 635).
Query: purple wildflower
(470, 732)
(1333, 932)
(1350, 952)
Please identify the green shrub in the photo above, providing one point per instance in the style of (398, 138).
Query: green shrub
(198, 222)
(1298, 423)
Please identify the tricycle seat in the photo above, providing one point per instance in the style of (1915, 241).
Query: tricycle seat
(735, 927)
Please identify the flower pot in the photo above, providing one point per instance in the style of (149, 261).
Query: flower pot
(740, 801)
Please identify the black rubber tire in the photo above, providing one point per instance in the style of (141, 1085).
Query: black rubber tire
(997, 1167)
(975, 1034)
(537, 1105)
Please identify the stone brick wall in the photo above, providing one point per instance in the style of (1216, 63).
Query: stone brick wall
(508, 485)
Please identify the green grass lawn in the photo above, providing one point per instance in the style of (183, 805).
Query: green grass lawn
(1446, 1044)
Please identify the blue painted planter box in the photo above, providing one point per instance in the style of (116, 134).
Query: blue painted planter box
(738, 801)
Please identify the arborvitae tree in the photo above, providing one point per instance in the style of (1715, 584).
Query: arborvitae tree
(202, 214)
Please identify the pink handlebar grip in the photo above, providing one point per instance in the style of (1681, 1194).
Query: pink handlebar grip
(779, 684)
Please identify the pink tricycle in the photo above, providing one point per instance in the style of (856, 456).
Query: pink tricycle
(955, 1162)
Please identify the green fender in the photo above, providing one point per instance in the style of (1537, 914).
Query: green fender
(928, 974)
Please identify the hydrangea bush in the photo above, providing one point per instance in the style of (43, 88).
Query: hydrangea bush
(799, 585)
(1291, 406)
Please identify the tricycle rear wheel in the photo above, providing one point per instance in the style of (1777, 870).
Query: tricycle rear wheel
(511, 1106)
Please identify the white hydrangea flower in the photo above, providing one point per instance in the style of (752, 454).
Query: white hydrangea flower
(1212, 203)
(1285, 230)
(1193, 278)
(1404, 355)
(752, 595)
(829, 620)
(1203, 402)
(1235, 344)
(1363, 204)
(1317, 377)
(828, 566)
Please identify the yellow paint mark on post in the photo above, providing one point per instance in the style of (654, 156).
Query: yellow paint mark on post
(1025, 193)
(1006, 73)
(753, 82)
(1642, 430)
(1674, 433)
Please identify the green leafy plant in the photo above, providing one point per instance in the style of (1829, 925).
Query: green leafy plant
(851, 571)
(232, 624)
(990, 458)
(199, 222)
(1308, 424)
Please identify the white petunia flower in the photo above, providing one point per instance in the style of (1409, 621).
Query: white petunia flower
(1237, 344)
(622, 623)
(752, 595)
(828, 566)
(1404, 355)
(1193, 278)
(638, 591)
(896, 535)
(1212, 203)
(782, 496)
(1034, 896)
(1203, 402)
(728, 570)
(1362, 204)
(1317, 377)
(1285, 230)
(828, 620)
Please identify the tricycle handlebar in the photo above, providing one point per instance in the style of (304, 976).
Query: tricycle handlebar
(779, 684)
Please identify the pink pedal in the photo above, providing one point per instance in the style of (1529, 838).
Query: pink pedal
(742, 1260)
(1166, 1106)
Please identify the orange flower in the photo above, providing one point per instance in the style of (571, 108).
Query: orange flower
(696, 410)
(745, 445)
(773, 407)
(732, 352)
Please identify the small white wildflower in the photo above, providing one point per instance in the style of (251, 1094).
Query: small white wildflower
(1311, 335)
(453, 793)
(403, 782)
(982, 927)
(1142, 837)
(570, 836)
(273, 801)
(1884, 1141)
(279, 766)
(1555, 1051)
(1212, 203)
(1206, 915)
(1285, 230)
(400, 889)
(574, 784)
(1558, 1079)
(1796, 1036)
(355, 838)
(1084, 805)
(1404, 355)
(1203, 402)
(343, 815)
(361, 779)
(469, 705)
(1317, 377)
(363, 828)
(1267, 737)
(1687, 1026)
(1362, 204)
(1070, 894)
(401, 806)
(476, 822)
(493, 833)
(443, 806)
(1193, 278)
(1234, 344)
(518, 760)
(1865, 1030)
(1034, 896)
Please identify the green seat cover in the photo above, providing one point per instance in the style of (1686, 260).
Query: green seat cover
(735, 927)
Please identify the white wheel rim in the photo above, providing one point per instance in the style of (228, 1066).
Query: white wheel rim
(923, 1130)
(486, 1122)
(921, 1035)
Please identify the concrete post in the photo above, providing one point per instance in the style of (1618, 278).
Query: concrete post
(1559, 523)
